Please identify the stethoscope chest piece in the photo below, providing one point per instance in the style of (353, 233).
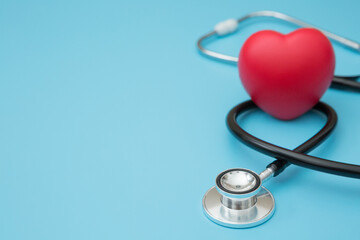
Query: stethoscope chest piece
(238, 200)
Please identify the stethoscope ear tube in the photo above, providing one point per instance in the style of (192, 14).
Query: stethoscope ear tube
(297, 156)
(224, 28)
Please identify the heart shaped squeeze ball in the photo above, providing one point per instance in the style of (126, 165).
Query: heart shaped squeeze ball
(286, 74)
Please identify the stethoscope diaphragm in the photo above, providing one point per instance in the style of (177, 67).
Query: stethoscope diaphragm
(238, 200)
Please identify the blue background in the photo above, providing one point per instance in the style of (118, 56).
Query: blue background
(113, 125)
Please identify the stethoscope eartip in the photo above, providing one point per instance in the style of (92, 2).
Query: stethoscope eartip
(238, 200)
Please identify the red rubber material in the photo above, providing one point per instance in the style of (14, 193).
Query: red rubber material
(286, 75)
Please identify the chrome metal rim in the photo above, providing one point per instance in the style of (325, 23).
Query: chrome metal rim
(254, 216)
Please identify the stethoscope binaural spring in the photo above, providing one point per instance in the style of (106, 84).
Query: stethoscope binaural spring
(231, 25)
(238, 199)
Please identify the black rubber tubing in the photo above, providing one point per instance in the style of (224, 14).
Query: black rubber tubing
(297, 156)
(347, 83)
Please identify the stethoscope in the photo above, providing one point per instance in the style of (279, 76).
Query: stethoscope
(238, 199)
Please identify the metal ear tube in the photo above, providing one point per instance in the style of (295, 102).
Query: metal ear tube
(226, 27)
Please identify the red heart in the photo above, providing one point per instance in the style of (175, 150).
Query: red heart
(286, 75)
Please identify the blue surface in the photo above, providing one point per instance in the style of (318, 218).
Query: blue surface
(113, 126)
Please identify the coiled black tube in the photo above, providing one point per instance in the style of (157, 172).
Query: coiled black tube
(297, 156)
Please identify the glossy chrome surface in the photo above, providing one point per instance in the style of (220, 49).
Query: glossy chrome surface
(238, 181)
(238, 200)
(267, 173)
(238, 204)
(341, 40)
(217, 212)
